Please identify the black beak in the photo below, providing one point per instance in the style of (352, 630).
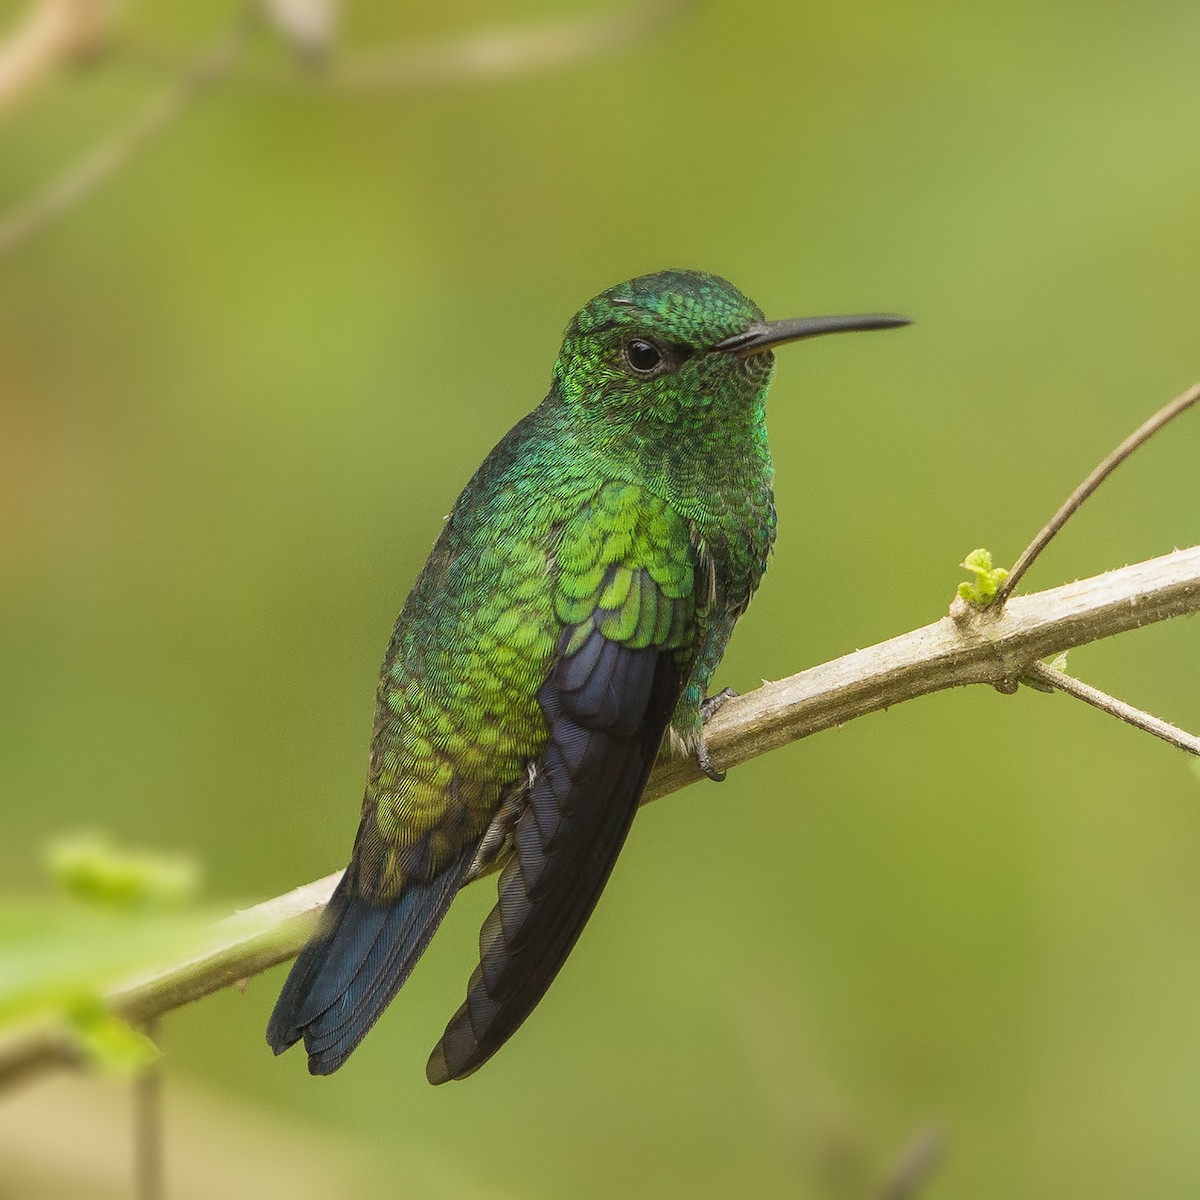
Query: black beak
(765, 334)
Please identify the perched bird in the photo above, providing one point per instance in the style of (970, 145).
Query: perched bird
(572, 612)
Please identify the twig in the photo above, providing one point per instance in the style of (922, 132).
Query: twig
(500, 53)
(988, 647)
(148, 1127)
(1111, 462)
(243, 945)
(53, 32)
(478, 57)
(80, 181)
(919, 1159)
(1114, 707)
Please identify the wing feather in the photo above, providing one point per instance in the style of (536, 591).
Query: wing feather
(611, 704)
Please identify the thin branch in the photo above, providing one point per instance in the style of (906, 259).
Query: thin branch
(81, 180)
(148, 1127)
(500, 53)
(992, 647)
(917, 1162)
(1114, 707)
(480, 56)
(243, 945)
(49, 38)
(1142, 434)
(54, 32)
(989, 646)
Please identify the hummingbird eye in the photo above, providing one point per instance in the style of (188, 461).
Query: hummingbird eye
(643, 357)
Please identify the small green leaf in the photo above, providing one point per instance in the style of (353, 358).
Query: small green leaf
(982, 589)
(89, 867)
(109, 1044)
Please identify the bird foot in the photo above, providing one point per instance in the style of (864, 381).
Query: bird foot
(703, 758)
(704, 761)
(713, 704)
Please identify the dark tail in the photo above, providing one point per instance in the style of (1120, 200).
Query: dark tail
(357, 960)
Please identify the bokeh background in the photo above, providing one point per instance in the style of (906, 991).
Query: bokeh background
(241, 386)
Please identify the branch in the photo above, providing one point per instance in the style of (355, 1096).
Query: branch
(310, 29)
(917, 1162)
(987, 646)
(148, 1128)
(59, 29)
(1138, 438)
(500, 53)
(54, 32)
(992, 646)
(81, 180)
(1061, 681)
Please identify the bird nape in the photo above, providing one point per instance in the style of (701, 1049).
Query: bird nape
(571, 613)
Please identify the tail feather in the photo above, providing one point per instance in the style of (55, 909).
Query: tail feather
(386, 966)
(355, 963)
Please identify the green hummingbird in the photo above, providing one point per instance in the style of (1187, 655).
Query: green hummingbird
(569, 618)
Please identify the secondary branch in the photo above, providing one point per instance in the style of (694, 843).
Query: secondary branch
(988, 646)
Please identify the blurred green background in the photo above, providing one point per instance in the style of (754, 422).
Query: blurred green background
(241, 386)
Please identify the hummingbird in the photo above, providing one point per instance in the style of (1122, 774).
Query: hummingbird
(566, 625)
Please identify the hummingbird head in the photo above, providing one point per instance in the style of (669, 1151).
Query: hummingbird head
(679, 348)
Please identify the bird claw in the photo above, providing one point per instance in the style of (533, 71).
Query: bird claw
(705, 763)
(713, 704)
(703, 758)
